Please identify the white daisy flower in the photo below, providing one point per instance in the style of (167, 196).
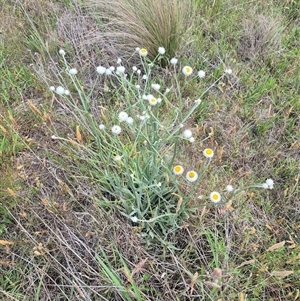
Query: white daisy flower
(161, 50)
(62, 52)
(119, 61)
(67, 92)
(134, 219)
(60, 90)
(228, 71)
(201, 74)
(215, 197)
(192, 139)
(101, 126)
(129, 120)
(208, 153)
(101, 69)
(187, 70)
(134, 68)
(229, 188)
(174, 61)
(178, 170)
(145, 77)
(143, 52)
(116, 130)
(52, 88)
(191, 176)
(120, 70)
(73, 71)
(112, 68)
(152, 100)
(155, 86)
(123, 116)
(187, 134)
(137, 49)
(270, 183)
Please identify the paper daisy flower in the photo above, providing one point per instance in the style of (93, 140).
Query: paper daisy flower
(174, 61)
(192, 139)
(187, 134)
(215, 197)
(191, 176)
(270, 183)
(60, 90)
(229, 188)
(155, 87)
(152, 100)
(101, 126)
(143, 52)
(67, 92)
(116, 130)
(73, 71)
(120, 70)
(62, 52)
(201, 74)
(178, 170)
(52, 88)
(187, 70)
(101, 69)
(123, 116)
(208, 153)
(129, 120)
(161, 50)
(228, 71)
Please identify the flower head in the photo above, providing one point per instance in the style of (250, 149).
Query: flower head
(143, 52)
(134, 68)
(208, 153)
(129, 120)
(187, 134)
(229, 188)
(152, 100)
(134, 219)
(60, 90)
(192, 139)
(228, 71)
(73, 71)
(187, 70)
(119, 61)
(270, 183)
(161, 50)
(120, 70)
(101, 69)
(117, 158)
(178, 170)
(52, 88)
(116, 130)
(215, 197)
(67, 92)
(191, 176)
(174, 61)
(201, 74)
(155, 86)
(101, 126)
(123, 116)
(62, 52)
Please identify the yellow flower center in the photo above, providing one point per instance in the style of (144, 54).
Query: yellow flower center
(209, 151)
(143, 51)
(187, 69)
(192, 174)
(215, 196)
(177, 168)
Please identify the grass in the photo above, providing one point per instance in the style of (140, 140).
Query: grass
(60, 239)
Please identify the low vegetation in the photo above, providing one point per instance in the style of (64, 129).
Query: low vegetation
(149, 152)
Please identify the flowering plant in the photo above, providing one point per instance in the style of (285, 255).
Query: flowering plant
(136, 152)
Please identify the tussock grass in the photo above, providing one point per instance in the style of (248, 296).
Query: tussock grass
(127, 24)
